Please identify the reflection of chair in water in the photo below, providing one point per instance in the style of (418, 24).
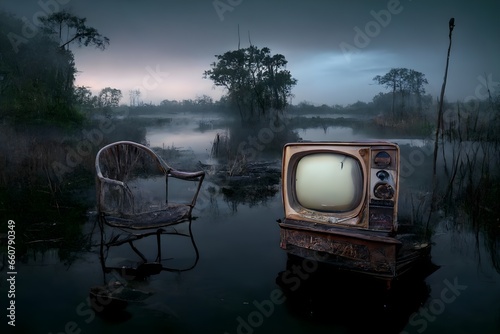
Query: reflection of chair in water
(131, 270)
(130, 200)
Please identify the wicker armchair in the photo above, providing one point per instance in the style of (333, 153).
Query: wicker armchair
(133, 185)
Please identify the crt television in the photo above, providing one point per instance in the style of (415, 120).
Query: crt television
(349, 185)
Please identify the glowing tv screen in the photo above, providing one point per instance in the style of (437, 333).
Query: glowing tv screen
(329, 182)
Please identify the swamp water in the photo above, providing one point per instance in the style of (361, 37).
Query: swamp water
(242, 281)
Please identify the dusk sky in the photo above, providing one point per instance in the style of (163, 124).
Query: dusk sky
(333, 48)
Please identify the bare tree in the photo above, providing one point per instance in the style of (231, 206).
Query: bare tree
(135, 97)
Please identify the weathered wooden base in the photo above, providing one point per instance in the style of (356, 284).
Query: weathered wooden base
(369, 252)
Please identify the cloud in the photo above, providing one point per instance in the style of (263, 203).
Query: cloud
(328, 78)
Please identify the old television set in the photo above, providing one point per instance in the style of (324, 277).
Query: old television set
(340, 203)
(351, 185)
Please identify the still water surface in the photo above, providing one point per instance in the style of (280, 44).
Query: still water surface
(235, 286)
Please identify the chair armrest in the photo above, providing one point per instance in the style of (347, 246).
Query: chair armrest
(108, 180)
(185, 175)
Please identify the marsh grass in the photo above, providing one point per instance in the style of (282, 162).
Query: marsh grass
(469, 159)
(244, 171)
(50, 206)
(230, 161)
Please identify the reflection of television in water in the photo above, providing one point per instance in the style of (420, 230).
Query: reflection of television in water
(340, 202)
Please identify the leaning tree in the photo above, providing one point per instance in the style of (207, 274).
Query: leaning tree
(67, 28)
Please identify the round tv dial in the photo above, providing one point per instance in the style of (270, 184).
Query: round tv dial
(382, 159)
(383, 191)
(383, 175)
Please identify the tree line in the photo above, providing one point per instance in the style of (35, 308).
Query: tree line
(37, 79)
(106, 99)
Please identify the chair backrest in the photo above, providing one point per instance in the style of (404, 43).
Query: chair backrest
(125, 160)
(122, 169)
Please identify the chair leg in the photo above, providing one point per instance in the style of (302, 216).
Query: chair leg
(137, 251)
(158, 243)
(101, 248)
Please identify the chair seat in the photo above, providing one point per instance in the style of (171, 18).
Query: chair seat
(169, 215)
